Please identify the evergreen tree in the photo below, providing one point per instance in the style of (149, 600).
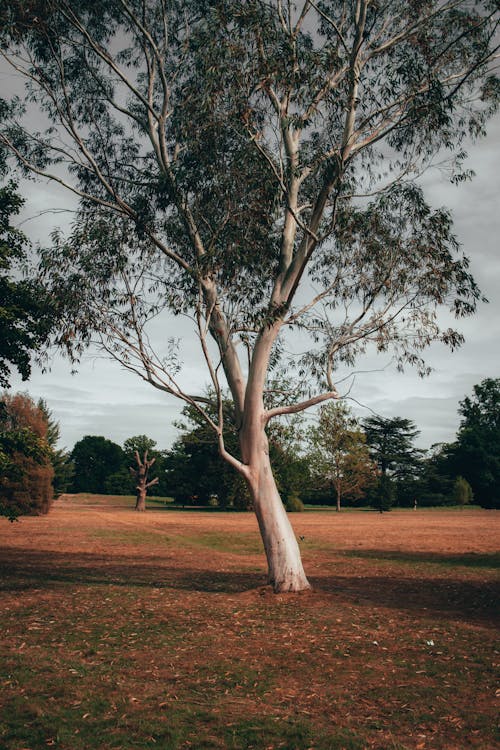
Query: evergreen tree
(391, 446)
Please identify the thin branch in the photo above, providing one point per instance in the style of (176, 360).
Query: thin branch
(294, 408)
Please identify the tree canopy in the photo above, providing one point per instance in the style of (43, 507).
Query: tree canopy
(339, 457)
(26, 472)
(26, 310)
(227, 155)
(95, 458)
(476, 452)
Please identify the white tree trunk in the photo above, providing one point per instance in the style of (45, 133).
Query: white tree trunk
(285, 571)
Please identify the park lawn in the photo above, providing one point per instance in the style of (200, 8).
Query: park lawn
(156, 630)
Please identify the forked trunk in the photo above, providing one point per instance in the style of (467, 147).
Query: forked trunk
(285, 571)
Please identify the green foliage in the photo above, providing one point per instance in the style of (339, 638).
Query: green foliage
(59, 458)
(25, 458)
(476, 453)
(462, 492)
(27, 312)
(202, 194)
(119, 483)
(195, 469)
(338, 456)
(391, 444)
(141, 444)
(95, 458)
(294, 504)
(383, 494)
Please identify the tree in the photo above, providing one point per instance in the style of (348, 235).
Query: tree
(25, 469)
(391, 446)
(219, 151)
(195, 468)
(141, 475)
(26, 310)
(339, 457)
(476, 453)
(140, 443)
(462, 492)
(383, 493)
(435, 482)
(95, 458)
(140, 451)
(59, 457)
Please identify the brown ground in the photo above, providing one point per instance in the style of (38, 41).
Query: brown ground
(124, 630)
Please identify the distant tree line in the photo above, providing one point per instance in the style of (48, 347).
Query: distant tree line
(338, 461)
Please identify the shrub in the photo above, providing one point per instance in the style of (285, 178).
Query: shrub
(27, 473)
(462, 491)
(294, 504)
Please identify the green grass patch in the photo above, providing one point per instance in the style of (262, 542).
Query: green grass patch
(240, 543)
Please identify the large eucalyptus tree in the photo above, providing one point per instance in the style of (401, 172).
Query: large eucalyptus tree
(251, 165)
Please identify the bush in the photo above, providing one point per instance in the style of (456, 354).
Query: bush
(294, 504)
(462, 491)
(26, 469)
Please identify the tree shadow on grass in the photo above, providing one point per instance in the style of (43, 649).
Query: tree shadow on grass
(453, 598)
(23, 569)
(429, 596)
(467, 559)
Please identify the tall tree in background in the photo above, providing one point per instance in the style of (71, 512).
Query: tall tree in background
(220, 151)
(476, 453)
(391, 443)
(95, 458)
(25, 468)
(339, 458)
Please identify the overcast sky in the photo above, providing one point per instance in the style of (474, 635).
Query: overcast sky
(102, 399)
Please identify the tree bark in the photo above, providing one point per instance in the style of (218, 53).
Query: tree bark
(285, 570)
(338, 499)
(141, 476)
(140, 503)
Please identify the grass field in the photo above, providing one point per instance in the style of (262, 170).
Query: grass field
(124, 630)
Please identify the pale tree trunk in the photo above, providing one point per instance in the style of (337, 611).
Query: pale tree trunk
(338, 499)
(285, 570)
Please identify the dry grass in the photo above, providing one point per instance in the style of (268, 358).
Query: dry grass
(124, 630)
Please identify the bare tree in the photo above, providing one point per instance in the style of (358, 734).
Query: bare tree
(140, 474)
(227, 155)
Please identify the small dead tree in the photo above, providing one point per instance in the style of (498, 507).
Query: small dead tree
(140, 474)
